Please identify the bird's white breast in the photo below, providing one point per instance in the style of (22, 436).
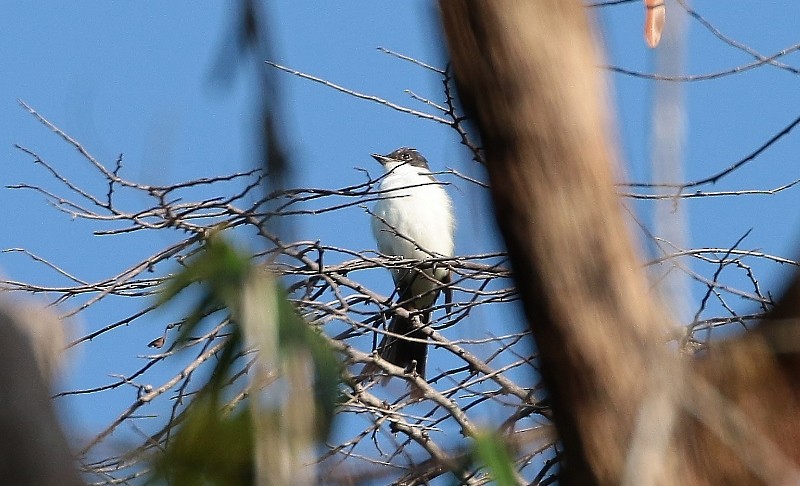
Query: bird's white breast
(418, 209)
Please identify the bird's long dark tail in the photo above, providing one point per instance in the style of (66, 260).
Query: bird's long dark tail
(404, 352)
(407, 346)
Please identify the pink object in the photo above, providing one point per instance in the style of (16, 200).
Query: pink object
(655, 14)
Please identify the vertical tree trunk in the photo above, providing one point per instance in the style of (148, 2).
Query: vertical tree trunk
(527, 72)
(628, 411)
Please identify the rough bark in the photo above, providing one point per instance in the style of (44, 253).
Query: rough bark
(627, 409)
(526, 71)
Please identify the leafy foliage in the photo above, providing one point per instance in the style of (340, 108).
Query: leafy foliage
(212, 446)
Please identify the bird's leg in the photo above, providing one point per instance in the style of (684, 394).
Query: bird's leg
(411, 368)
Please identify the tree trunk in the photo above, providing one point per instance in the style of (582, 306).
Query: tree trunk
(627, 409)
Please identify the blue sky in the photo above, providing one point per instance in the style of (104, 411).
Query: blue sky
(136, 78)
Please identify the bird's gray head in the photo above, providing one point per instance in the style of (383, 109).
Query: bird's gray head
(404, 155)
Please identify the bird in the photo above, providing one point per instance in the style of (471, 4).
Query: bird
(413, 219)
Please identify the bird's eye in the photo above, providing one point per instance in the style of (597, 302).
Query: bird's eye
(405, 156)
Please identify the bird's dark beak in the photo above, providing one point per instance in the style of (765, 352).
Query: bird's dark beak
(382, 159)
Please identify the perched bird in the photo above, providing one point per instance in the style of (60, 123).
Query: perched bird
(413, 220)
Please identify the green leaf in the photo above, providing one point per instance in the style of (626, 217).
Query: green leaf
(490, 450)
(221, 271)
(209, 449)
(293, 332)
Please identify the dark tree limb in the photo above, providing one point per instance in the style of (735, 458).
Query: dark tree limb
(526, 71)
(627, 410)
